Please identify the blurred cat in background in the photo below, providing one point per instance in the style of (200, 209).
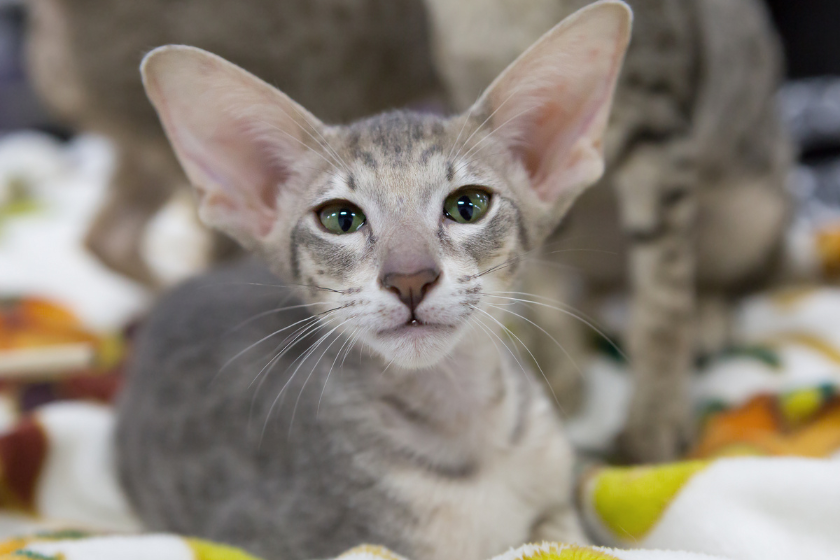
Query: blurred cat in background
(693, 207)
(344, 59)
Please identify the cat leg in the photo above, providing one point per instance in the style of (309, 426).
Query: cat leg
(658, 206)
(142, 183)
(714, 323)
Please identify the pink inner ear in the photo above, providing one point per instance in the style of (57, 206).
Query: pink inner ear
(547, 134)
(268, 196)
(542, 141)
(259, 197)
(272, 172)
(242, 175)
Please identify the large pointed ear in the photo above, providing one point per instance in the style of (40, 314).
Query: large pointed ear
(552, 104)
(237, 138)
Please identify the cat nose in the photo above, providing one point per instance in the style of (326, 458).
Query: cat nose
(411, 288)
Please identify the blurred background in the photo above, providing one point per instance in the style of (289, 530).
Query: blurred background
(54, 176)
(69, 305)
(54, 179)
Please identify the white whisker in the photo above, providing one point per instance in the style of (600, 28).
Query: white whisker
(263, 339)
(502, 104)
(312, 371)
(350, 348)
(302, 358)
(569, 313)
(329, 373)
(275, 310)
(297, 336)
(494, 131)
(490, 331)
(460, 132)
(569, 356)
(326, 145)
(304, 144)
(265, 372)
(510, 333)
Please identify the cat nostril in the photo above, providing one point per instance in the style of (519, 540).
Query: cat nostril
(411, 288)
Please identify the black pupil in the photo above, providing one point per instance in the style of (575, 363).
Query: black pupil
(345, 219)
(466, 208)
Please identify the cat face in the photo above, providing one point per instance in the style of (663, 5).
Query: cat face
(407, 237)
(399, 226)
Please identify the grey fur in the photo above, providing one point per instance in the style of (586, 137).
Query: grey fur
(210, 452)
(436, 442)
(193, 455)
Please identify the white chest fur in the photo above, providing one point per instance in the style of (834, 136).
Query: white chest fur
(520, 487)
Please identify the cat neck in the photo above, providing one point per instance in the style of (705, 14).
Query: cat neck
(475, 377)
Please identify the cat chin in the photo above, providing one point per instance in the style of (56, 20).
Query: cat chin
(415, 346)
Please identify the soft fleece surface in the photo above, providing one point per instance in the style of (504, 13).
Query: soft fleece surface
(762, 483)
(170, 547)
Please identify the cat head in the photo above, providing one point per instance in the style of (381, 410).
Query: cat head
(402, 224)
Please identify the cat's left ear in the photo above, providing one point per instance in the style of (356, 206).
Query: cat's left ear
(552, 104)
(240, 141)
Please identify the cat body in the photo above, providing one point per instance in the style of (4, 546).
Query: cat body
(345, 59)
(693, 208)
(434, 464)
(244, 419)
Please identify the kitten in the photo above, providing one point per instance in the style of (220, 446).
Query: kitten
(345, 59)
(436, 443)
(693, 208)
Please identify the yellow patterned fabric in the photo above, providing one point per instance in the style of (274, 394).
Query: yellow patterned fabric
(205, 550)
(560, 552)
(631, 500)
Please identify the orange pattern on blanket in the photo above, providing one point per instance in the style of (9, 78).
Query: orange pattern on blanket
(32, 322)
(828, 248)
(804, 423)
(564, 552)
(41, 341)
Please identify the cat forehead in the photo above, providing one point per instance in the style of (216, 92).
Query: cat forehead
(405, 153)
(398, 139)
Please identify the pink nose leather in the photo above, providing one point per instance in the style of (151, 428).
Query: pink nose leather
(411, 288)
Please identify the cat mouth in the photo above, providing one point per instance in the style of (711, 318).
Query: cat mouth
(416, 327)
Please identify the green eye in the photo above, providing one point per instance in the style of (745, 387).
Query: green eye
(466, 206)
(341, 217)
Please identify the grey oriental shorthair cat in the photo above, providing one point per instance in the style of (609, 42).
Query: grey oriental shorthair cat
(249, 415)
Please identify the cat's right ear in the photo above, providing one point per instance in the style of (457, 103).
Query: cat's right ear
(237, 138)
(551, 106)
